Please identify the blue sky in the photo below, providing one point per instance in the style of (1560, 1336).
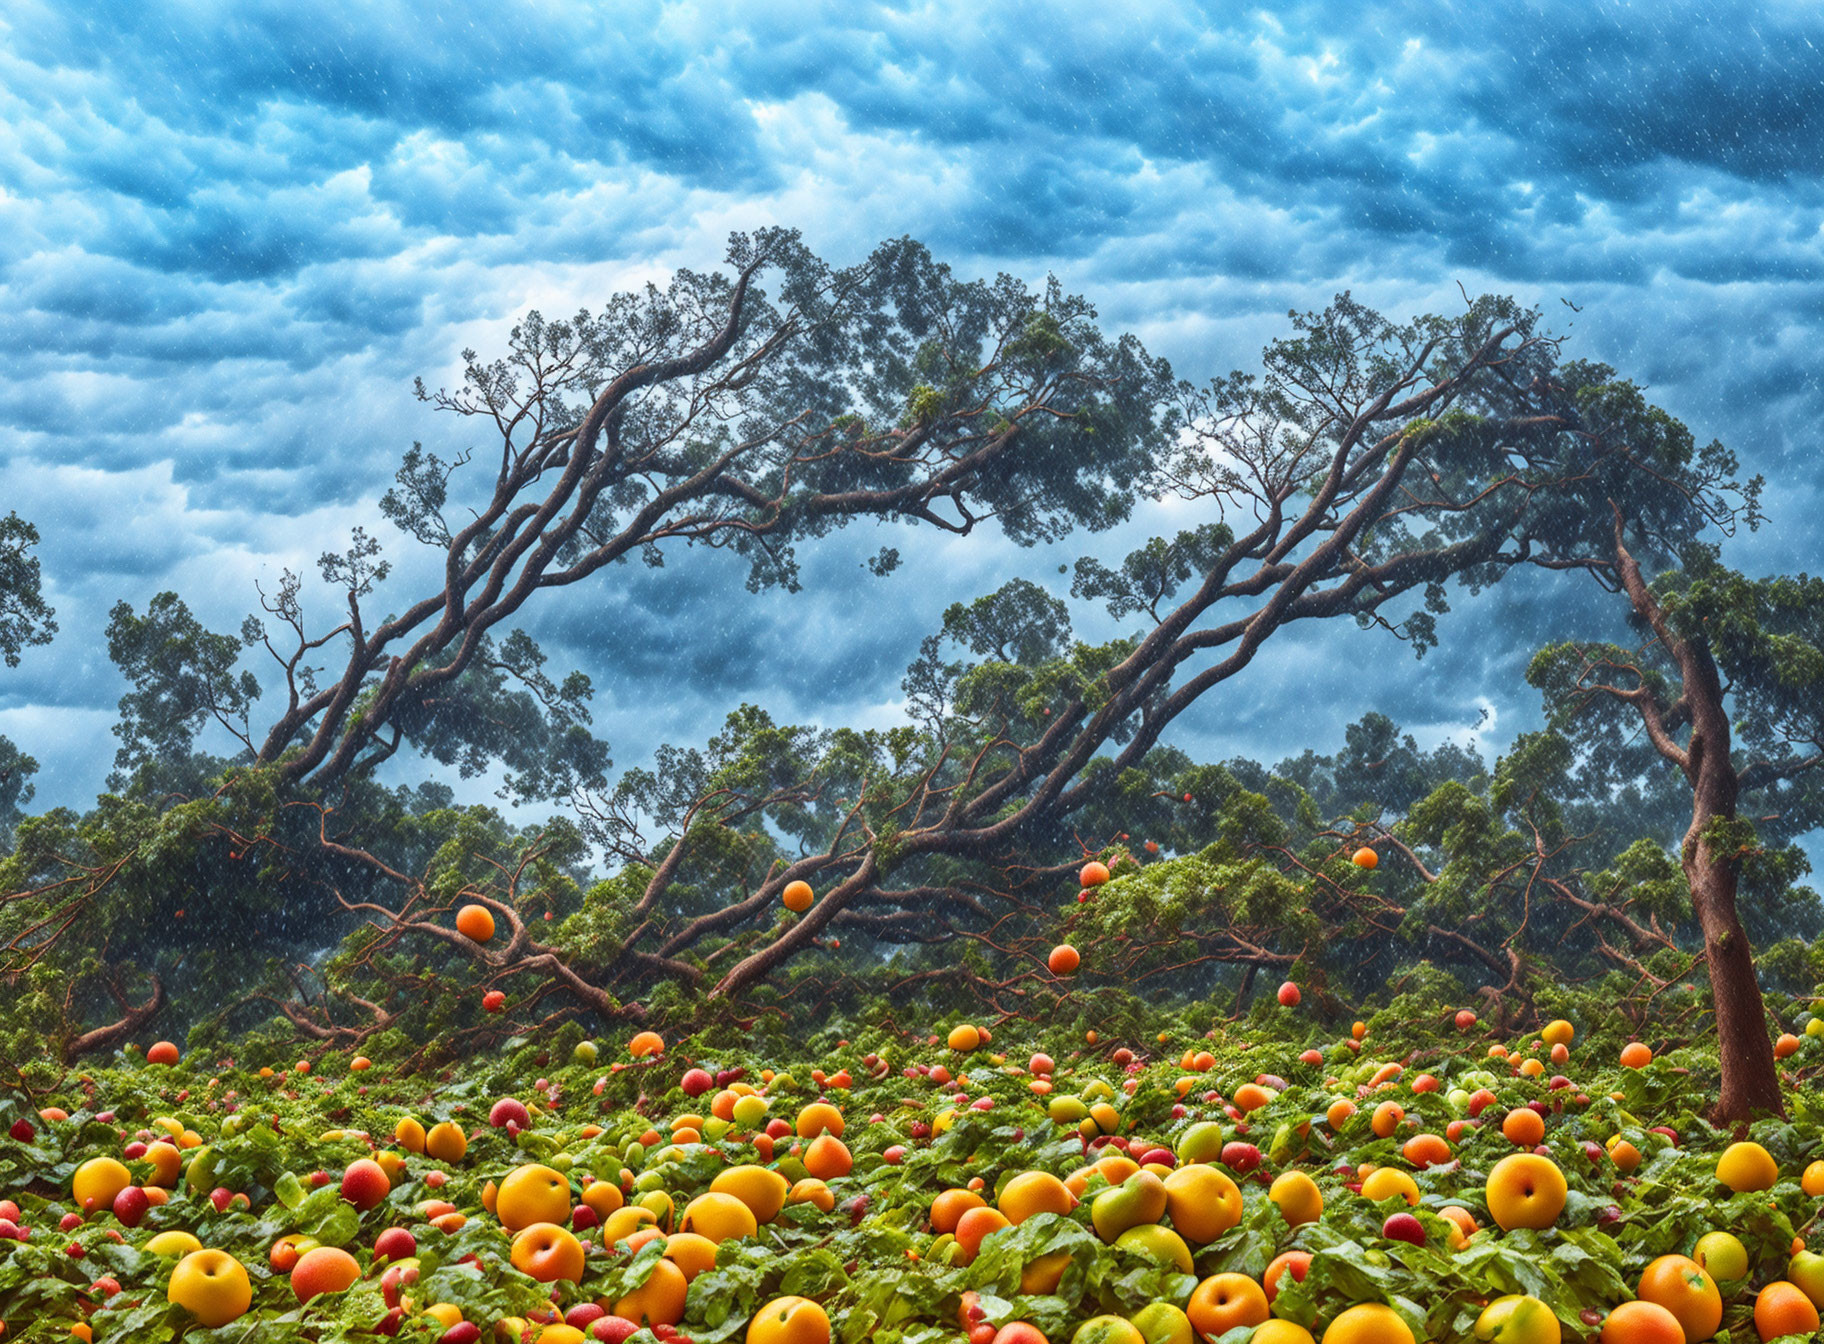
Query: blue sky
(232, 232)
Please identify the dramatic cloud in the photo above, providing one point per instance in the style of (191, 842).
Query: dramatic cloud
(232, 232)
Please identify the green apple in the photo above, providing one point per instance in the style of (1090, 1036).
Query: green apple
(1458, 1099)
(1139, 1199)
(1202, 1142)
(585, 1052)
(1066, 1110)
(1107, 1330)
(1722, 1254)
(1807, 1271)
(1162, 1323)
(1161, 1242)
(1518, 1319)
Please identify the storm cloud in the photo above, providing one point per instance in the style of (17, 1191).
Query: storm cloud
(231, 233)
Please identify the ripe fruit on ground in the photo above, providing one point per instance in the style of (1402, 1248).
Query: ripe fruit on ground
(1635, 1055)
(475, 922)
(948, 1207)
(1202, 1202)
(972, 1227)
(828, 1158)
(532, 1194)
(1369, 1323)
(162, 1053)
(173, 1242)
(1747, 1166)
(1063, 960)
(789, 1320)
(1107, 1330)
(797, 897)
(1298, 1198)
(646, 1044)
(212, 1286)
(719, 1217)
(1518, 1319)
(1297, 1263)
(326, 1269)
(1386, 1182)
(1404, 1227)
(1781, 1309)
(1033, 1192)
(548, 1253)
(395, 1244)
(364, 1184)
(96, 1183)
(1524, 1127)
(760, 1188)
(1202, 1142)
(1682, 1287)
(1162, 1323)
(1786, 1047)
(1558, 1033)
(1224, 1301)
(1722, 1255)
(1159, 1242)
(660, 1300)
(1093, 875)
(1806, 1269)
(1281, 1332)
(1642, 1323)
(446, 1142)
(1139, 1199)
(691, 1253)
(1525, 1190)
(964, 1037)
(819, 1118)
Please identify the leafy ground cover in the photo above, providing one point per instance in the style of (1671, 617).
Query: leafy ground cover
(1273, 1180)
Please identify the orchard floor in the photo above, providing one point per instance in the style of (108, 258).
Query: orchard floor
(1439, 1186)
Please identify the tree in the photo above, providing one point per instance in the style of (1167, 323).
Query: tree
(712, 413)
(1368, 464)
(1727, 686)
(25, 618)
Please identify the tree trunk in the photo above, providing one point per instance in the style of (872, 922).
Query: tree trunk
(1751, 1078)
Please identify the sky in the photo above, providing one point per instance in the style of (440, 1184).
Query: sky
(232, 233)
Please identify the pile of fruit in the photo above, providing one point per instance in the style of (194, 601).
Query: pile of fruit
(1226, 1188)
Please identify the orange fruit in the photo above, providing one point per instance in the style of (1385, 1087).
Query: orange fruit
(789, 1320)
(1684, 1288)
(828, 1158)
(644, 1044)
(1364, 858)
(950, 1206)
(1202, 1202)
(1369, 1323)
(1782, 1309)
(797, 896)
(818, 1118)
(719, 1217)
(1747, 1166)
(212, 1286)
(1634, 1055)
(658, 1301)
(1035, 1192)
(1224, 1301)
(1426, 1150)
(475, 922)
(1642, 1323)
(548, 1253)
(1524, 1127)
(1524, 1190)
(532, 1194)
(1064, 960)
(1786, 1047)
